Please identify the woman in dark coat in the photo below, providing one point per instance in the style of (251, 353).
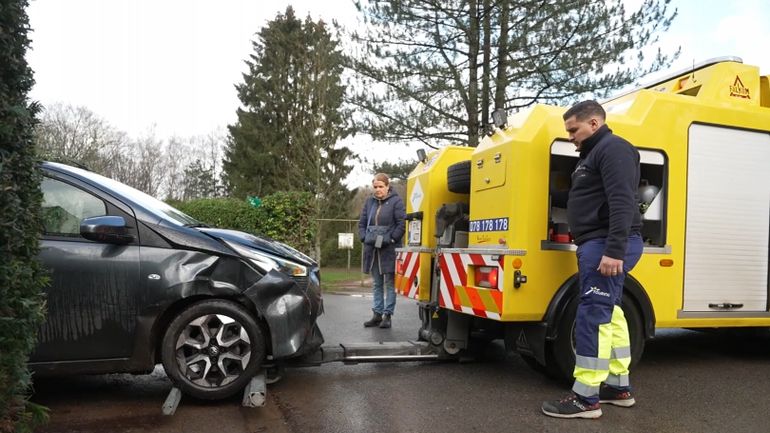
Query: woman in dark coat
(381, 227)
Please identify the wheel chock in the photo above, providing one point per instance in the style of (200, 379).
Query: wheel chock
(172, 401)
(255, 393)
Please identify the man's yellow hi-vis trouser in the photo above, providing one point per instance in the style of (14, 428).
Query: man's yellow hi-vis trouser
(610, 366)
(602, 344)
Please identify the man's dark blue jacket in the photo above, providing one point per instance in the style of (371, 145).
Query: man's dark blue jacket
(603, 199)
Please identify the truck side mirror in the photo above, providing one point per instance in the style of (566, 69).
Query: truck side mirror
(421, 155)
(500, 118)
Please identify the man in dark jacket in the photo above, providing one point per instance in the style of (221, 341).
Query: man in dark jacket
(603, 215)
(381, 227)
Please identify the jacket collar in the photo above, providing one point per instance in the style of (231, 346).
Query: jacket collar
(387, 196)
(591, 141)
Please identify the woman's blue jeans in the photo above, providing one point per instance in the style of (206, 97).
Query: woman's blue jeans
(384, 292)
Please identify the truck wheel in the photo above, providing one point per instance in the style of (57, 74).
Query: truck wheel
(212, 349)
(560, 353)
(458, 177)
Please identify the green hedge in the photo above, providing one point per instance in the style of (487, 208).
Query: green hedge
(227, 213)
(286, 216)
(21, 275)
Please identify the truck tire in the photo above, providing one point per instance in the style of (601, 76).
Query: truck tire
(458, 177)
(560, 353)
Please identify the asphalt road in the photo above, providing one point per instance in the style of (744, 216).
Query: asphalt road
(128, 403)
(687, 382)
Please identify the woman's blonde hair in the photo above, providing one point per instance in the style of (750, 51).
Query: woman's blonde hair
(382, 177)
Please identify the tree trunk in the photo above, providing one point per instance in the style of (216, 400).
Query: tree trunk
(486, 75)
(318, 236)
(501, 82)
(473, 72)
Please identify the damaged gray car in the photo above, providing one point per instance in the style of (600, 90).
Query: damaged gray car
(135, 282)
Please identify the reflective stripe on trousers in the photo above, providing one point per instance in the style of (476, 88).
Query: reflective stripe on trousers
(611, 363)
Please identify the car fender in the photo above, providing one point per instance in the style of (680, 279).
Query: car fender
(278, 300)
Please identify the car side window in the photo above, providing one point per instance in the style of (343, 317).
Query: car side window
(64, 206)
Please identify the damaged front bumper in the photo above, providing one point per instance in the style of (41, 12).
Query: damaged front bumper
(290, 307)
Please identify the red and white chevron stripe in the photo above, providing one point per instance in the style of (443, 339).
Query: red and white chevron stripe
(454, 278)
(408, 267)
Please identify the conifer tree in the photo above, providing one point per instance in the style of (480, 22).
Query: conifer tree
(21, 276)
(291, 116)
(433, 70)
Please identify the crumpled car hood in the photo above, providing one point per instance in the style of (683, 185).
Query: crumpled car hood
(261, 243)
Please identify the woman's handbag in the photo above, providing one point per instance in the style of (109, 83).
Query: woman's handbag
(375, 235)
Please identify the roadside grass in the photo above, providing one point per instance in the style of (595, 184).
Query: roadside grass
(342, 279)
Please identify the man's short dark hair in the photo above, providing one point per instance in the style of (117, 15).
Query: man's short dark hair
(585, 109)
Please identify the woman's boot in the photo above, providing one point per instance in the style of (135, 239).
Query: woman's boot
(374, 321)
(385, 321)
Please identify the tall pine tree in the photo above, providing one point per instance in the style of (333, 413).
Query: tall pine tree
(432, 71)
(291, 116)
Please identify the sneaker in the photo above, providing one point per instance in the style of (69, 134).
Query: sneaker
(571, 407)
(618, 397)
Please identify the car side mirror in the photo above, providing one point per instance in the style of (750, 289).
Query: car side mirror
(110, 229)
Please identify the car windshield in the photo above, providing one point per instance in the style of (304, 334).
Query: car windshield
(152, 204)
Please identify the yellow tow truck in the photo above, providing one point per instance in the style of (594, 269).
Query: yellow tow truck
(489, 256)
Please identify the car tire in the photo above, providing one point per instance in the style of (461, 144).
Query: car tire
(560, 353)
(458, 177)
(212, 349)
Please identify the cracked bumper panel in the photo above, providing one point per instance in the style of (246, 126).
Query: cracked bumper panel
(290, 311)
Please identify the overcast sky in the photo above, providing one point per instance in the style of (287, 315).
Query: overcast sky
(169, 66)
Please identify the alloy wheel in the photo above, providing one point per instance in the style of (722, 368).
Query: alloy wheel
(213, 350)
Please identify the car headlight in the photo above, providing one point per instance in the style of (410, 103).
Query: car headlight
(268, 262)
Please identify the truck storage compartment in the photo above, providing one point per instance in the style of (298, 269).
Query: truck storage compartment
(651, 192)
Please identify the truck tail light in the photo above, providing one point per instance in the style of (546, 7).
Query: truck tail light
(486, 276)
